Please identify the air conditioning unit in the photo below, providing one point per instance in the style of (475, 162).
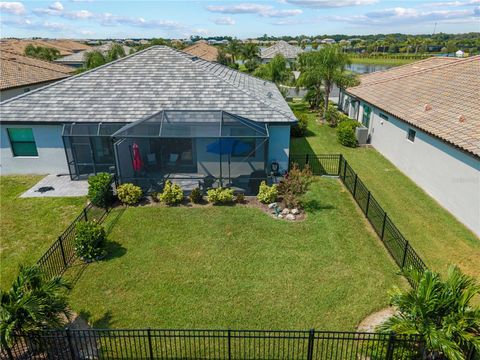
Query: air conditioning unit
(361, 133)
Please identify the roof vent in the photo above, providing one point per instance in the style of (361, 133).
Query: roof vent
(462, 118)
(265, 83)
(194, 58)
(427, 107)
(269, 94)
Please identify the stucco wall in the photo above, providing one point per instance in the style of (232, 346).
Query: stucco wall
(449, 175)
(279, 145)
(9, 93)
(51, 153)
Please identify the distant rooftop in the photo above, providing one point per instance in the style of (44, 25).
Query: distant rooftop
(158, 78)
(283, 48)
(438, 95)
(79, 57)
(66, 47)
(203, 51)
(18, 70)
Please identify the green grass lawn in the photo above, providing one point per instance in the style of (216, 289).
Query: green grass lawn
(434, 233)
(29, 226)
(237, 267)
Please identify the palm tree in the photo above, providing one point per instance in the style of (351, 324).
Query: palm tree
(440, 311)
(31, 304)
(249, 51)
(94, 59)
(234, 49)
(324, 68)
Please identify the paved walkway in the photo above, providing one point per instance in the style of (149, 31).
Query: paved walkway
(57, 186)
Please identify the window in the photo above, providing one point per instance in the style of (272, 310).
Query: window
(411, 135)
(383, 116)
(366, 115)
(22, 142)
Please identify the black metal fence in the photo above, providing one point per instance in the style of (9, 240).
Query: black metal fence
(396, 244)
(61, 254)
(214, 344)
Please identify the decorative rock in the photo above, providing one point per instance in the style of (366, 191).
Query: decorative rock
(290, 217)
(272, 205)
(285, 211)
(295, 211)
(280, 216)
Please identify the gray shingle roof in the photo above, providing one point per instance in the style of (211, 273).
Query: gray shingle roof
(79, 57)
(283, 48)
(158, 78)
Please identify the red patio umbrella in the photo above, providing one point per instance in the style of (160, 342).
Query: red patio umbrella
(137, 158)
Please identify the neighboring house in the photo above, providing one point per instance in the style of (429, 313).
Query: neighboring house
(64, 46)
(203, 51)
(281, 47)
(77, 60)
(175, 115)
(327, 41)
(20, 74)
(425, 118)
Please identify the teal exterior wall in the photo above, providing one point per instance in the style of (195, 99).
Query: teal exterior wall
(279, 145)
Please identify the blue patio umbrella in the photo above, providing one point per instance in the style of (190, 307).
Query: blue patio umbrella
(228, 146)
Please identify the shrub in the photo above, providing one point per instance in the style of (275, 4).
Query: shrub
(196, 196)
(294, 185)
(220, 196)
(155, 196)
(346, 133)
(100, 190)
(267, 194)
(300, 128)
(240, 198)
(90, 239)
(251, 65)
(172, 194)
(129, 194)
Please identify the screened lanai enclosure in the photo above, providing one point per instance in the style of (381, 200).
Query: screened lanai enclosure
(191, 148)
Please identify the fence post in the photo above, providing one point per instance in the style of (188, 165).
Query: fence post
(340, 157)
(407, 244)
(391, 346)
(306, 159)
(229, 344)
(355, 185)
(70, 345)
(85, 214)
(344, 169)
(60, 240)
(368, 204)
(383, 224)
(150, 349)
(311, 339)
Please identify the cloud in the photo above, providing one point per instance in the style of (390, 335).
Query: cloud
(26, 23)
(15, 8)
(404, 16)
(56, 6)
(320, 4)
(224, 20)
(252, 8)
(454, 3)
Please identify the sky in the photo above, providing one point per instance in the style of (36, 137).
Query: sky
(241, 19)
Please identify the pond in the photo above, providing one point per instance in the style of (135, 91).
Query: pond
(367, 68)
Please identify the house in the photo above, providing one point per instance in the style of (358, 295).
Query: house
(177, 115)
(327, 41)
(20, 74)
(283, 48)
(425, 118)
(78, 59)
(64, 46)
(203, 51)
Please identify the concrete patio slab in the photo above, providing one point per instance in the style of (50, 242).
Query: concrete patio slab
(57, 186)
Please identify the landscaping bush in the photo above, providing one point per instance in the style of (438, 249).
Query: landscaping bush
(267, 194)
(300, 128)
(196, 196)
(346, 133)
(220, 196)
(240, 198)
(172, 194)
(100, 190)
(129, 194)
(251, 65)
(90, 239)
(294, 185)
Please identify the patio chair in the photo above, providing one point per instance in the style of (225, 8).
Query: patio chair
(208, 182)
(172, 160)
